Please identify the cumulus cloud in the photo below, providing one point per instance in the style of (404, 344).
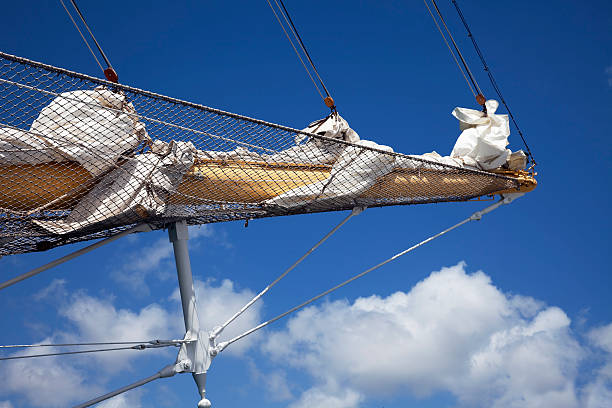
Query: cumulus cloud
(217, 303)
(598, 393)
(55, 291)
(50, 382)
(97, 320)
(452, 332)
(328, 396)
(273, 382)
(128, 400)
(61, 381)
(155, 259)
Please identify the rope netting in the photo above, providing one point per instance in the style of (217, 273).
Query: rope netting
(82, 158)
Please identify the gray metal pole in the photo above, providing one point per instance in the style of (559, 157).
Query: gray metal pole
(167, 371)
(72, 255)
(179, 234)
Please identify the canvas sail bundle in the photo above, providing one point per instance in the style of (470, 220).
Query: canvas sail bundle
(81, 158)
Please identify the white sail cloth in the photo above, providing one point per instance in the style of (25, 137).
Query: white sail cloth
(483, 138)
(481, 145)
(306, 150)
(355, 171)
(138, 189)
(96, 128)
(91, 127)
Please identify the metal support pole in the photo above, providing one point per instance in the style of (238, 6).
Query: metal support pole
(167, 371)
(72, 255)
(194, 356)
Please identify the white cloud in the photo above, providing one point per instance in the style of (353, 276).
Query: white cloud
(218, 303)
(138, 265)
(98, 320)
(154, 259)
(452, 332)
(200, 231)
(127, 400)
(61, 381)
(273, 382)
(328, 396)
(55, 291)
(598, 393)
(48, 381)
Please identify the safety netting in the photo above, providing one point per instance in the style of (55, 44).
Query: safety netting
(82, 158)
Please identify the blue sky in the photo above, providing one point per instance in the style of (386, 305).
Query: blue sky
(512, 311)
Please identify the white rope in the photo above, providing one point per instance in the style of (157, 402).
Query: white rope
(474, 217)
(219, 329)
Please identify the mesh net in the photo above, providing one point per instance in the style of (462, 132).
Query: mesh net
(81, 158)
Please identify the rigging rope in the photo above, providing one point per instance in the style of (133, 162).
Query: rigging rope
(480, 97)
(63, 353)
(474, 217)
(82, 36)
(329, 101)
(109, 72)
(467, 81)
(492, 79)
(297, 34)
(295, 49)
(219, 329)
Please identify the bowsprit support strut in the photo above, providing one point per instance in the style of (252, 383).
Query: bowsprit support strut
(194, 356)
(197, 347)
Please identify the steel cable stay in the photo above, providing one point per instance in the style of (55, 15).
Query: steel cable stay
(217, 330)
(506, 199)
(178, 236)
(102, 343)
(63, 353)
